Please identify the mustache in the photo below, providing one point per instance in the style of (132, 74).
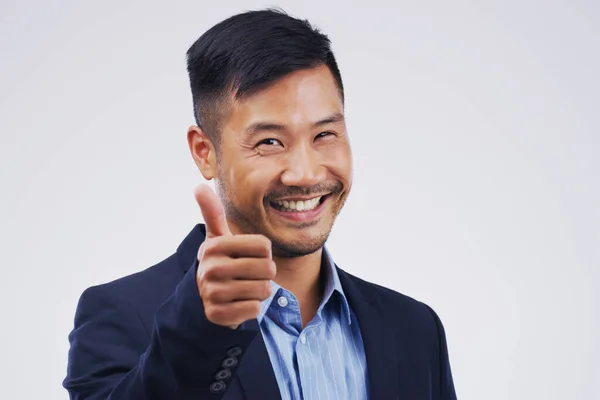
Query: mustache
(291, 191)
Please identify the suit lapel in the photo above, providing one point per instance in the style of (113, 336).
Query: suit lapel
(187, 251)
(256, 372)
(386, 363)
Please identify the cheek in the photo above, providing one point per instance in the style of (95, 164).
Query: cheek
(249, 183)
(339, 162)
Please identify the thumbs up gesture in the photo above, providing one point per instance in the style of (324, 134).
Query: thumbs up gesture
(234, 271)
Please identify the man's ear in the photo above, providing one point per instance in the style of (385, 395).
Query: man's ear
(203, 152)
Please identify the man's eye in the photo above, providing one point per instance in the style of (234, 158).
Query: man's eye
(323, 134)
(270, 142)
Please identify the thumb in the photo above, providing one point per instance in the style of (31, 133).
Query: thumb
(212, 211)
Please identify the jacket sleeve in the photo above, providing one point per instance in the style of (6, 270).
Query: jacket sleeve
(447, 391)
(186, 351)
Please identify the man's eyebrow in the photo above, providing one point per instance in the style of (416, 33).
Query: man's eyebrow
(332, 119)
(260, 127)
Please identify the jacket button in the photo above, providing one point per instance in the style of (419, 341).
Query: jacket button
(229, 362)
(234, 351)
(217, 387)
(223, 375)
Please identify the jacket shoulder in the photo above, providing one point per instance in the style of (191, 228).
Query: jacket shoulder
(386, 295)
(400, 309)
(143, 291)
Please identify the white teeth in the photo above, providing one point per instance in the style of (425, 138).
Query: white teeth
(305, 205)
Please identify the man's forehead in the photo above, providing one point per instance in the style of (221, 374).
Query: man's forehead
(312, 105)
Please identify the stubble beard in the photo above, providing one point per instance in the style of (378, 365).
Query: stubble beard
(252, 222)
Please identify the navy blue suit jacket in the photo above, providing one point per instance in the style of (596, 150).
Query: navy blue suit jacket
(145, 336)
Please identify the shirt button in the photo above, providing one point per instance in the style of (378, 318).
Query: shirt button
(282, 301)
(303, 338)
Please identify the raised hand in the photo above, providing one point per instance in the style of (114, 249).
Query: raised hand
(234, 271)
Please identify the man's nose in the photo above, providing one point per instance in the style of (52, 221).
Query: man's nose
(303, 169)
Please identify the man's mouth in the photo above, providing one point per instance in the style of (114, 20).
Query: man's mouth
(298, 205)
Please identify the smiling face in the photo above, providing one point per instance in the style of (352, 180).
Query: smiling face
(284, 168)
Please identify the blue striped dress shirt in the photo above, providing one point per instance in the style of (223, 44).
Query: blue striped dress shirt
(326, 359)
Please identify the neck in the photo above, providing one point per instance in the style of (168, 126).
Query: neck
(300, 275)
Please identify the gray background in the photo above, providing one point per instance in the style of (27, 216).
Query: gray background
(475, 130)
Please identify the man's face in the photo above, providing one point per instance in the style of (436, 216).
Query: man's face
(285, 165)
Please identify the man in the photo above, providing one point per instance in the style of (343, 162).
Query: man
(252, 306)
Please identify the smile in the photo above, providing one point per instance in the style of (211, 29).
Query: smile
(298, 205)
(301, 210)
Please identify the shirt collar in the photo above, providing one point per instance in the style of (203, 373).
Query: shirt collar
(332, 285)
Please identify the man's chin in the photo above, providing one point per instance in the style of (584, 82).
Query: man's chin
(298, 248)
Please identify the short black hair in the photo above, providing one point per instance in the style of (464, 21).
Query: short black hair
(248, 52)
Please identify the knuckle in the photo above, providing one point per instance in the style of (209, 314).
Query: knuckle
(220, 294)
(210, 272)
(209, 246)
(261, 242)
(209, 293)
(267, 267)
(216, 269)
(272, 269)
(200, 254)
(217, 314)
(265, 243)
(202, 292)
(205, 293)
(212, 313)
(200, 273)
